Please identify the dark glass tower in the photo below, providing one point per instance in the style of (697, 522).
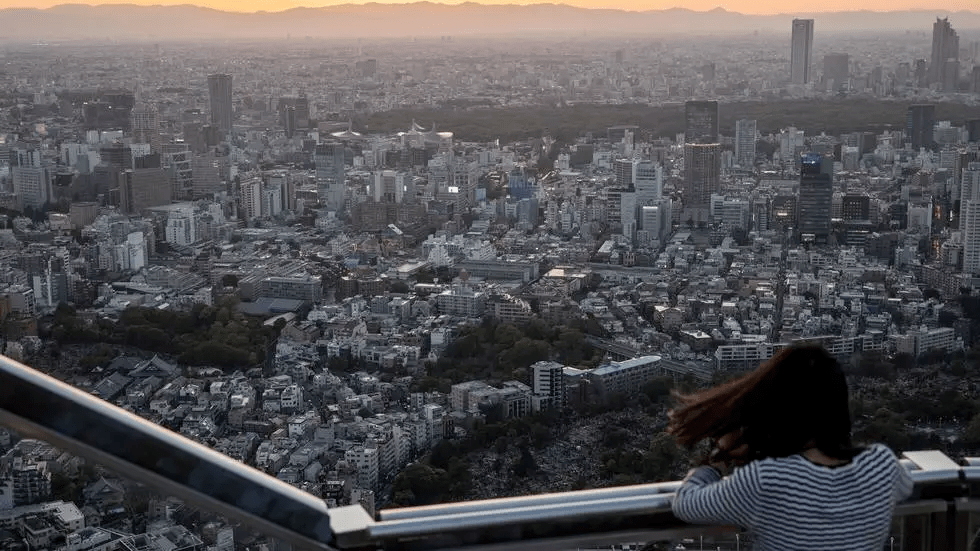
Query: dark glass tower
(701, 118)
(816, 193)
(219, 92)
(919, 123)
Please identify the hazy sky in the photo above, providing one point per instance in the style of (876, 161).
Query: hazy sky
(744, 6)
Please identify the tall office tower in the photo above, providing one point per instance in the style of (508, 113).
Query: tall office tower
(919, 122)
(329, 160)
(745, 130)
(623, 169)
(177, 161)
(801, 51)
(145, 125)
(836, 71)
(702, 173)
(648, 180)
(970, 184)
(944, 65)
(973, 129)
(970, 217)
(975, 79)
(815, 198)
(219, 91)
(287, 117)
(143, 188)
(701, 118)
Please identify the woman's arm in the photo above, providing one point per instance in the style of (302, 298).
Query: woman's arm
(707, 498)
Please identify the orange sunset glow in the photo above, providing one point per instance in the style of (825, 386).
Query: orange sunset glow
(763, 7)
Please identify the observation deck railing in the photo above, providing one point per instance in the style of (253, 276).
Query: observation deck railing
(943, 514)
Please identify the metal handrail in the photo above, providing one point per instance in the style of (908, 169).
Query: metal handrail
(37, 405)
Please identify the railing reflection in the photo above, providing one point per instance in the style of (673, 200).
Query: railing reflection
(943, 514)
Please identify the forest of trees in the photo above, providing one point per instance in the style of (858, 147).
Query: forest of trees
(216, 335)
(834, 116)
(496, 352)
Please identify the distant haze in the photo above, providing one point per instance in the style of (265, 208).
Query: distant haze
(183, 22)
(763, 7)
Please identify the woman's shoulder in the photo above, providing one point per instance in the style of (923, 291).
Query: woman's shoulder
(871, 453)
(876, 451)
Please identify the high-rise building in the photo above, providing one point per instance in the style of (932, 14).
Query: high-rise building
(944, 67)
(701, 118)
(975, 80)
(250, 199)
(801, 52)
(702, 173)
(745, 131)
(32, 185)
(973, 129)
(219, 92)
(919, 122)
(329, 160)
(648, 182)
(389, 186)
(145, 125)
(836, 71)
(117, 155)
(815, 198)
(856, 207)
(143, 188)
(970, 217)
(623, 170)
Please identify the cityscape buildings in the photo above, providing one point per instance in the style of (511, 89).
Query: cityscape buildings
(305, 279)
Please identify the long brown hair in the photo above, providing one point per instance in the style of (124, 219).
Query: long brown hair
(795, 400)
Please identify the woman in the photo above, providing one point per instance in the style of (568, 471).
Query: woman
(801, 484)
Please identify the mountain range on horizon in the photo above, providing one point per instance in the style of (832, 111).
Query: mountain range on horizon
(119, 22)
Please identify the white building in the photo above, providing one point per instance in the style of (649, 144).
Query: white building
(181, 229)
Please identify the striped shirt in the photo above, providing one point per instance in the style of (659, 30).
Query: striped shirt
(790, 503)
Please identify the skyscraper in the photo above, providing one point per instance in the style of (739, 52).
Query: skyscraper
(835, 71)
(329, 161)
(146, 126)
(919, 122)
(648, 181)
(701, 118)
(944, 66)
(970, 217)
(745, 130)
(801, 51)
(143, 188)
(816, 196)
(702, 173)
(623, 170)
(219, 91)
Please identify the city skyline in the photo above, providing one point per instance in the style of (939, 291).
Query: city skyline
(739, 7)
